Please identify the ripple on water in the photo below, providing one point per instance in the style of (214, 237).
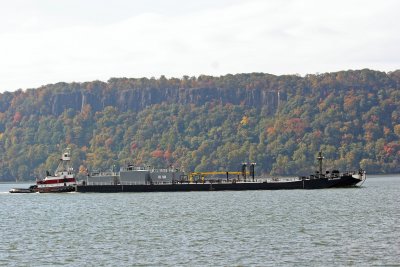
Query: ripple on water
(264, 228)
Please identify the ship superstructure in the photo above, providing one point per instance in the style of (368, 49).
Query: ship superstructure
(134, 175)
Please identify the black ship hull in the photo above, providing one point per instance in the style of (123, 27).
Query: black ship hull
(317, 183)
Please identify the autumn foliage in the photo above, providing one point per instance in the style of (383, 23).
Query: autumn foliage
(206, 123)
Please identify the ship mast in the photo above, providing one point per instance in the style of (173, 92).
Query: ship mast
(320, 158)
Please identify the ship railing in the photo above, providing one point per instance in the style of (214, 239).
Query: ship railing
(134, 168)
(110, 173)
(150, 169)
(284, 179)
(124, 183)
(163, 170)
(221, 181)
(350, 173)
(112, 183)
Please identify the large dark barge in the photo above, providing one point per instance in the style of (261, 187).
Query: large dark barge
(346, 180)
(172, 180)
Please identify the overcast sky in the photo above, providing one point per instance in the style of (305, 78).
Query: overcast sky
(48, 41)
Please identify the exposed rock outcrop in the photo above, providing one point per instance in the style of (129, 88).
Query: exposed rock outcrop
(139, 99)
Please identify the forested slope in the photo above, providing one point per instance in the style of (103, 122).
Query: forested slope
(206, 123)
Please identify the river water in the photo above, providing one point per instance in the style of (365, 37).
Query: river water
(327, 227)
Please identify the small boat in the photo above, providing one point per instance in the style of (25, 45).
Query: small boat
(31, 189)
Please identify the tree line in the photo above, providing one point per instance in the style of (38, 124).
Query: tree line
(353, 117)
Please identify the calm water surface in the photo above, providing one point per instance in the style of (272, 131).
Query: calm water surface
(329, 227)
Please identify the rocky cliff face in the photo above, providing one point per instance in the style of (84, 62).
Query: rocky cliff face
(139, 99)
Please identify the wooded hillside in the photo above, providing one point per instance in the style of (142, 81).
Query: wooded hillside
(206, 123)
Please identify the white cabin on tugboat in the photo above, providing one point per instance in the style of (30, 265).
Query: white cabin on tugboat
(63, 179)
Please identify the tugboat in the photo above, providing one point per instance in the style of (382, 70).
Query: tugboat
(63, 179)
